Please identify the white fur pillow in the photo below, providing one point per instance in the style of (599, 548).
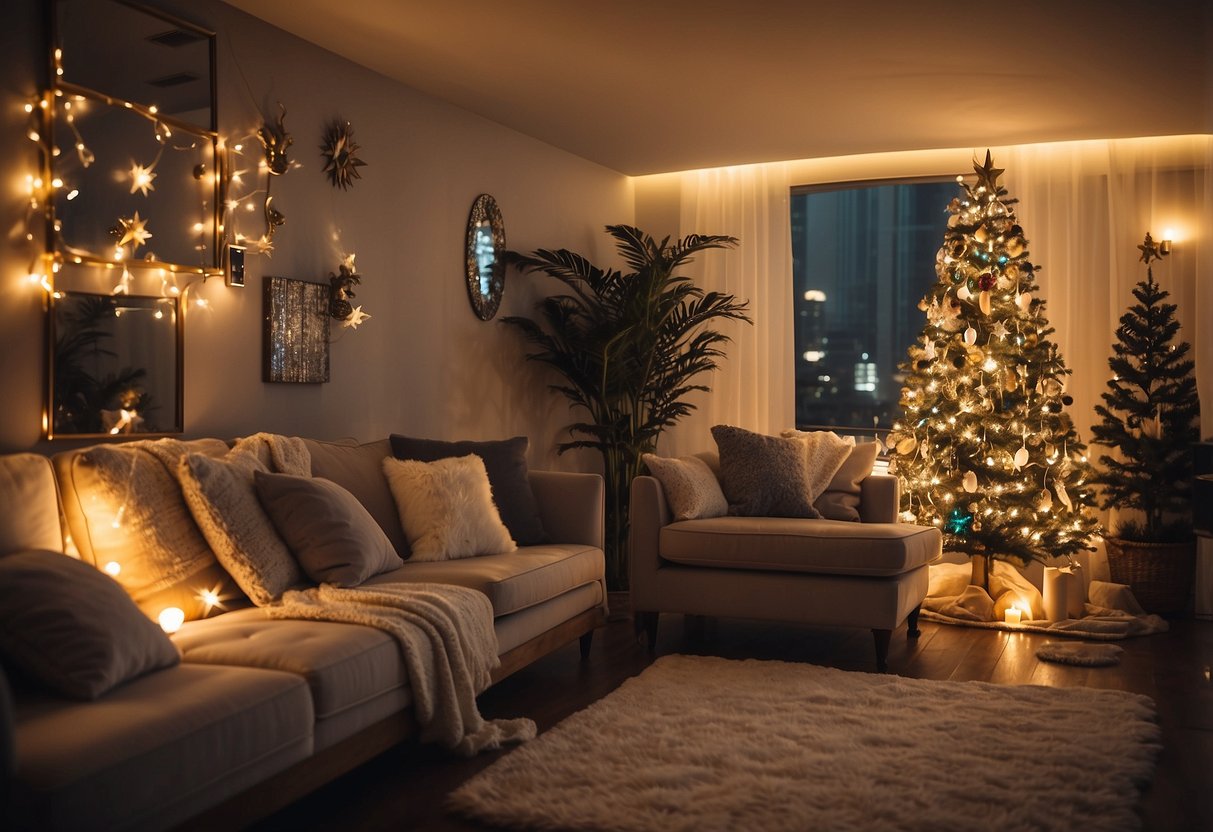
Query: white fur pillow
(690, 486)
(446, 508)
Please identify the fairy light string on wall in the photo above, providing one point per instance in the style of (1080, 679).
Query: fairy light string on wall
(60, 108)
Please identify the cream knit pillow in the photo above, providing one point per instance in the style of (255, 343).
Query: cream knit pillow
(223, 500)
(690, 486)
(446, 508)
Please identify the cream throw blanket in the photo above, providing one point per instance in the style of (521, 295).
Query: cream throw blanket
(449, 647)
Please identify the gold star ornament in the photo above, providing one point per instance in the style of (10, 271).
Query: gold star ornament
(356, 317)
(987, 174)
(1149, 250)
(133, 230)
(141, 178)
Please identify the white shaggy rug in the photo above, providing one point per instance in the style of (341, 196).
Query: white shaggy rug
(703, 743)
(1079, 653)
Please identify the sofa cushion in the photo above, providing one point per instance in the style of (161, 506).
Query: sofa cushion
(446, 508)
(690, 486)
(124, 506)
(343, 664)
(825, 452)
(841, 499)
(796, 545)
(762, 476)
(514, 580)
(505, 461)
(223, 501)
(27, 480)
(73, 628)
(153, 752)
(359, 470)
(328, 531)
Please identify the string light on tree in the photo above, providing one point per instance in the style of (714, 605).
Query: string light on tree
(984, 435)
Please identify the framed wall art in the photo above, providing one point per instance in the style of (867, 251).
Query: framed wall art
(295, 331)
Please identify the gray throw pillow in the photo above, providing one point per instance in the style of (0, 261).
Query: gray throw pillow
(72, 628)
(505, 461)
(762, 476)
(333, 537)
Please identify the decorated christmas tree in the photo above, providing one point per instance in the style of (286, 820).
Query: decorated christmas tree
(1150, 417)
(985, 449)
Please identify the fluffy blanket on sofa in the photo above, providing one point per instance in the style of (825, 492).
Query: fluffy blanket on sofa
(449, 647)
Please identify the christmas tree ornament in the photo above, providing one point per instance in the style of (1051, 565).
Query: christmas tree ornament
(970, 482)
(984, 303)
(970, 336)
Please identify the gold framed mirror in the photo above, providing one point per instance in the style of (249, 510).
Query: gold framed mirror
(115, 365)
(131, 129)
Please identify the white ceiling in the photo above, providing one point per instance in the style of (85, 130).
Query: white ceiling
(648, 86)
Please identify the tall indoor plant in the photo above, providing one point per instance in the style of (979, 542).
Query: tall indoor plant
(1150, 417)
(629, 346)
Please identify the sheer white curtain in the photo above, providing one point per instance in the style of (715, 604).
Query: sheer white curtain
(1084, 207)
(753, 388)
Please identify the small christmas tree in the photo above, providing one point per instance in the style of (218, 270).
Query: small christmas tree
(1150, 416)
(985, 449)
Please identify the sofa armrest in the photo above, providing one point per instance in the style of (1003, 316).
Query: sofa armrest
(647, 513)
(572, 506)
(879, 496)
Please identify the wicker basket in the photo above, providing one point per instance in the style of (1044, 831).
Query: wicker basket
(1160, 574)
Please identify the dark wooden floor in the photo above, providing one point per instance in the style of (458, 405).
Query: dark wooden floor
(405, 787)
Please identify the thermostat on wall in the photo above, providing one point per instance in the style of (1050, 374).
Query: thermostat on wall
(235, 266)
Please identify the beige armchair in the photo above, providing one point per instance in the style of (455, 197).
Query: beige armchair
(870, 574)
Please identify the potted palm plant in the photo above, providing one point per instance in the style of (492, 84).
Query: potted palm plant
(1150, 424)
(629, 346)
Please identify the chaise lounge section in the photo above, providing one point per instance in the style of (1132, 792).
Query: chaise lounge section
(870, 574)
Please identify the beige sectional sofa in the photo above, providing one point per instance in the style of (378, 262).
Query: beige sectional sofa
(870, 574)
(260, 711)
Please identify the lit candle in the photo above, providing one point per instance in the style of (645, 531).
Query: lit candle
(1013, 615)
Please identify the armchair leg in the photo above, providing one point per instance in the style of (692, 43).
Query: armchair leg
(882, 638)
(912, 630)
(587, 639)
(648, 622)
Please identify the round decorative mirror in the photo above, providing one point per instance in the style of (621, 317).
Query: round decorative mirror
(485, 257)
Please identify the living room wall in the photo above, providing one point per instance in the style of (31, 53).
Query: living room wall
(423, 364)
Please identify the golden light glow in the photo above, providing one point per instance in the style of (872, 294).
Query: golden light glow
(171, 619)
(113, 568)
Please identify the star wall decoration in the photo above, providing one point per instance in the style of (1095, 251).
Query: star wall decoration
(141, 178)
(340, 153)
(356, 317)
(133, 230)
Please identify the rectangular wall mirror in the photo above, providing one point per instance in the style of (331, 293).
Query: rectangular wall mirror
(115, 365)
(134, 140)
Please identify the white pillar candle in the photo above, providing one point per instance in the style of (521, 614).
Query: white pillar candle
(1056, 594)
